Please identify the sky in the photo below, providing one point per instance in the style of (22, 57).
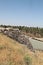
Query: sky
(21, 12)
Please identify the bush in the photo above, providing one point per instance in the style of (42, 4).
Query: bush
(27, 60)
(2, 47)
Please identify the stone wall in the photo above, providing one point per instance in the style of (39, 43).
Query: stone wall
(17, 35)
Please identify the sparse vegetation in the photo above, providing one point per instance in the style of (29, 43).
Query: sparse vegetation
(14, 53)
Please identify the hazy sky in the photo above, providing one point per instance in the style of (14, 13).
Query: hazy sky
(21, 12)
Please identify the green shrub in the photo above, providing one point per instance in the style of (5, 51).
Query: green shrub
(27, 60)
(2, 47)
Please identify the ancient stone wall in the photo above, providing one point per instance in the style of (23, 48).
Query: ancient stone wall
(17, 35)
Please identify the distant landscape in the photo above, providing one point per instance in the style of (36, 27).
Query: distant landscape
(31, 31)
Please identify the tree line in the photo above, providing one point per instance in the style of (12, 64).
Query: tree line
(36, 31)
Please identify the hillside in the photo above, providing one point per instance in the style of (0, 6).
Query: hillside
(14, 53)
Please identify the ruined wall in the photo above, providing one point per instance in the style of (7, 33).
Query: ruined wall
(17, 35)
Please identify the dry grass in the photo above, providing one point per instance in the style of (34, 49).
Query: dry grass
(13, 53)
